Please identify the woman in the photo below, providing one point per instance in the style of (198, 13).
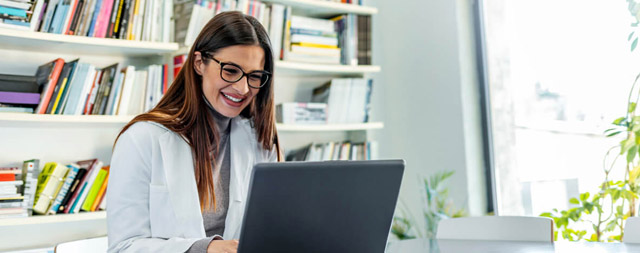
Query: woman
(179, 173)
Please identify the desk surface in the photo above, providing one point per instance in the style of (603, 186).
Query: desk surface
(455, 246)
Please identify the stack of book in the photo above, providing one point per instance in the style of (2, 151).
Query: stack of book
(344, 39)
(301, 113)
(344, 150)
(18, 93)
(191, 16)
(20, 13)
(12, 202)
(77, 88)
(348, 99)
(71, 188)
(312, 40)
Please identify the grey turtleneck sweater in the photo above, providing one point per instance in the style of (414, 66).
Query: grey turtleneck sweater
(214, 220)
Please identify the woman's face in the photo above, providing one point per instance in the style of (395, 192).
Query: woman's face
(229, 99)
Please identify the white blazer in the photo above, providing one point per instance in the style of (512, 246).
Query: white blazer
(152, 197)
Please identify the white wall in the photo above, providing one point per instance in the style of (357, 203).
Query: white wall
(427, 95)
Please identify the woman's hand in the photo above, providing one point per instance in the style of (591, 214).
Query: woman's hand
(223, 246)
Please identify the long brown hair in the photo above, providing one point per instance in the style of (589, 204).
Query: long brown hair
(183, 109)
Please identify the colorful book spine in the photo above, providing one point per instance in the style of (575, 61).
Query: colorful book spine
(95, 188)
(71, 175)
(19, 97)
(101, 194)
(13, 12)
(51, 190)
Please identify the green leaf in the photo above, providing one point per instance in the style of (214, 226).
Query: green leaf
(633, 151)
(634, 44)
(584, 196)
(547, 214)
(619, 121)
(632, 107)
(626, 145)
(614, 133)
(630, 36)
(574, 201)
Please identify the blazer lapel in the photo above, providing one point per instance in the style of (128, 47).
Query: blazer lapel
(242, 156)
(177, 160)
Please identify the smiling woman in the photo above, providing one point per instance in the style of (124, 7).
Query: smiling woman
(179, 173)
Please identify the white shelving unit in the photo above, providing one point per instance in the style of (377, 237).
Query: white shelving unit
(66, 138)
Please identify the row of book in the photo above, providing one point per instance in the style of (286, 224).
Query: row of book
(78, 88)
(148, 20)
(348, 99)
(344, 150)
(56, 188)
(191, 16)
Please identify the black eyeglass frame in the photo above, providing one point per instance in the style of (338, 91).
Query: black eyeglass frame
(266, 75)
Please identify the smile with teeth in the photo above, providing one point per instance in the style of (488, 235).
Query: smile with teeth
(237, 100)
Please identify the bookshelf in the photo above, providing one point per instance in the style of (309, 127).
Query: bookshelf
(91, 136)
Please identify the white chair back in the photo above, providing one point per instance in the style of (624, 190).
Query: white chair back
(497, 228)
(98, 244)
(632, 230)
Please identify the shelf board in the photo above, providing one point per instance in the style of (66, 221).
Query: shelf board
(62, 119)
(58, 218)
(48, 42)
(329, 127)
(325, 8)
(299, 67)
(22, 119)
(50, 229)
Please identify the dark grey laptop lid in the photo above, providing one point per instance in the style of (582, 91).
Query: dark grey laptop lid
(332, 206)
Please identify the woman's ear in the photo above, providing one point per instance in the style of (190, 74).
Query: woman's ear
(198, 64)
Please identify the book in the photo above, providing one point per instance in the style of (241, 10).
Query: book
(75, 88)
(15, 4)
(108, 79)
(95, 188)
(87, 166)
(301, 113)
(122, 106)
(82, 172)
(66, 88)
(59, 86)
(30, 171)
(85, 187)
(91, 98)
(50, 190)
(18, 83)
(100, 197)
(68, 181)
(47, 76)
(23, 98)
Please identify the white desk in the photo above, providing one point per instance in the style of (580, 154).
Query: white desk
(464, 246)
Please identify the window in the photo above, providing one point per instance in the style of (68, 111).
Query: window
(558, 73)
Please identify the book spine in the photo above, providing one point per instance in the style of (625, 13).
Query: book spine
(13, 12)
(73, 171)
(19, 98)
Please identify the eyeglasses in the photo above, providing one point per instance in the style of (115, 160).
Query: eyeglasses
(231, 72)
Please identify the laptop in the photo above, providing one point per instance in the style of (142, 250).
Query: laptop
(331, 206)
